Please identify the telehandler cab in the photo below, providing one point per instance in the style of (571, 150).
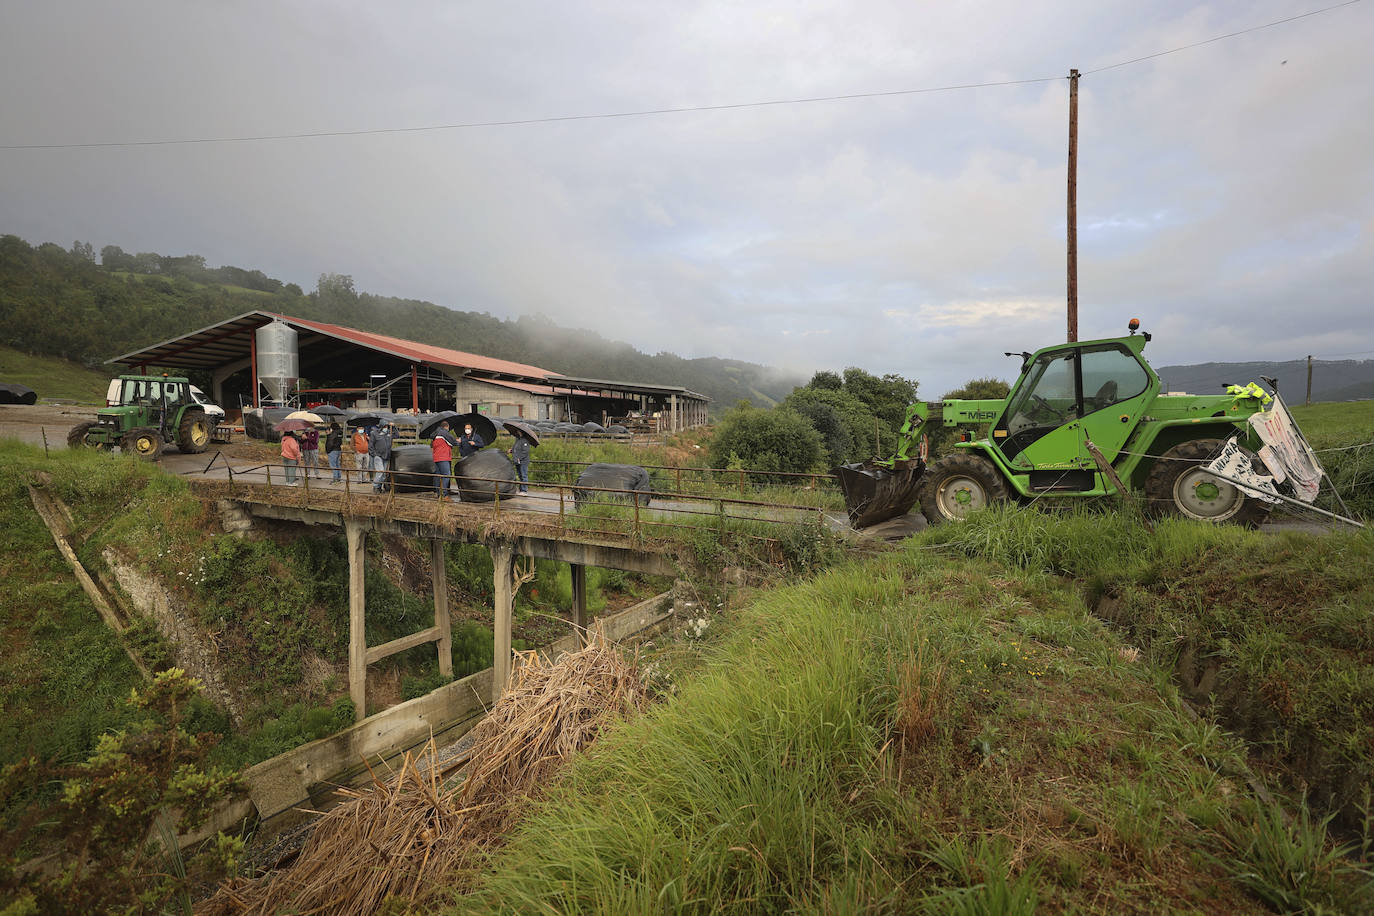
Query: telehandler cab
(1039, 441)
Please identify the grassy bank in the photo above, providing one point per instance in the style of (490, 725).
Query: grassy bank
(1272, 633)
(915, 733)
(271, 611)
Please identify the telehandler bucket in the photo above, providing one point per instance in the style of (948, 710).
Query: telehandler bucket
(877, 491)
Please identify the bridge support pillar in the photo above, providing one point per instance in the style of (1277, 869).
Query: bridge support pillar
(357, 606)
(439, 574)
(502, 559)
(579, 601)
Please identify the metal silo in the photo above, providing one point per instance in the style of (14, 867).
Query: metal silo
(278, 361)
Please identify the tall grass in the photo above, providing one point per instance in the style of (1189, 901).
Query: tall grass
(869, 741)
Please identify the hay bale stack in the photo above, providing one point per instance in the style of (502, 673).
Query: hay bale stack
(399, 839)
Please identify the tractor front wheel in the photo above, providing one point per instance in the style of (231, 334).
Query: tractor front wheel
(958, 484)
(145, 443)
(77, 437)
(1179, 484)
(193, 436)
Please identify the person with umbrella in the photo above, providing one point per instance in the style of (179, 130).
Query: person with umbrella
(361, 459)
(469, 442)
(379, 447)
(520, 454)
(443, 458)
(310, 451)
(290, 455)
(333, 448)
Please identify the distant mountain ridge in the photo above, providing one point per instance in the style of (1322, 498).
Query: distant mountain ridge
(1332, 380)
(65, 303)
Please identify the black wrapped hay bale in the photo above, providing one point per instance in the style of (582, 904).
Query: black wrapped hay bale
(488, 463)
(617, 429)
(257, 424)
(412, 468)
(612, 477)
(591, 426)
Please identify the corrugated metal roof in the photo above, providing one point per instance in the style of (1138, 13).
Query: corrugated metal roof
(231, 340)
(422, 353)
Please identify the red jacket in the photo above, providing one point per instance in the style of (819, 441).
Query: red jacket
(443, 446)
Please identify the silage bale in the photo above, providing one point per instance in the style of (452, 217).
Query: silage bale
(612, 477)
(488, 463)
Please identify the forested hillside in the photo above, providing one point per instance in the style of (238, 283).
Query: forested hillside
(88, 307)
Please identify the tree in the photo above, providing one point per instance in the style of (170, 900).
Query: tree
(765, 439)
(888, 397)
(102, 821)
(84, 250)
(826, 379)
(980, 389)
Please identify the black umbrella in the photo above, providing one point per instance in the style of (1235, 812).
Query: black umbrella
(432, 425)
(517, 428)
(327, 410)
(364, 420)
(481, 425)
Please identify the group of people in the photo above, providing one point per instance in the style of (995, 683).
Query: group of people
(302, 450)
(443, 445)
(372, 453)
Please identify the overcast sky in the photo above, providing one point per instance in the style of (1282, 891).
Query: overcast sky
(1226, 192)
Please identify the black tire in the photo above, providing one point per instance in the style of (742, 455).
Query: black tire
(957, 484)
(77, 437)
(1178, 486)
(143, 442)
(193, 435)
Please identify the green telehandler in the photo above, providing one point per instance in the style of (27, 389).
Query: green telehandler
(1088, 419)
(153, 411)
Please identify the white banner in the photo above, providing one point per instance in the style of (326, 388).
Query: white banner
(1286, 453)
(1235, 463)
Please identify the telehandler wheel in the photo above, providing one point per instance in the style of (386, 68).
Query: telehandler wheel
(193, 436)
(77, 437)
(145, 443)
(957, 484)
(1179, 485)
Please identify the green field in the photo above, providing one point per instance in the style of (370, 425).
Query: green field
(55, 378)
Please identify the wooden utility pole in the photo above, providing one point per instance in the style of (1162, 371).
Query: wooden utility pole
(1308, 403)
(1073, 206)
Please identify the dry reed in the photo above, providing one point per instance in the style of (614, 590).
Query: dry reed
(398, 839)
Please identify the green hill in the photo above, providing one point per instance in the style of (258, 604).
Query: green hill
(56, 302)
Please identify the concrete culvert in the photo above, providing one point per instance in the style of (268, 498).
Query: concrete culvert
(488, 463)
(612, 477)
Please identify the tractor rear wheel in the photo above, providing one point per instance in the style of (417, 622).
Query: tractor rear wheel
(193, 436)
(958, 484)
(1179, 484)
(77, 437)
(145, 443)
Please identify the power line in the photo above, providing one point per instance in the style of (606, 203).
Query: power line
(550, 120)
(469, 125)
(1207, 41)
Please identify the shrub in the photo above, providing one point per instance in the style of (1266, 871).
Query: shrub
(766, 440)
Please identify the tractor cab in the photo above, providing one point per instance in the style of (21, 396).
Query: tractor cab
(1068, 394)
(149, 412)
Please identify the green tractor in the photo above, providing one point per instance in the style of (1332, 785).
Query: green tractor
(1073, 403)
(152, 411)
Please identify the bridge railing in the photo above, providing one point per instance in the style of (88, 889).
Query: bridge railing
(638, 515)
